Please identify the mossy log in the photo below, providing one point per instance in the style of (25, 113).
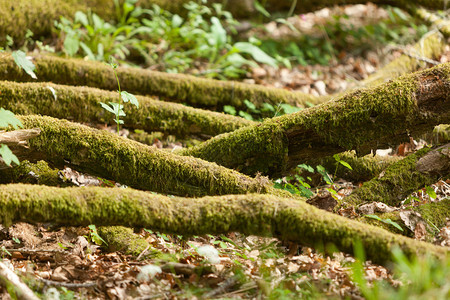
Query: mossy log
(429, 47)
(194, 91)
(81, 104)
(404, 177)
(363, 120)
(144, 167)
(123, 239)
(250, 214)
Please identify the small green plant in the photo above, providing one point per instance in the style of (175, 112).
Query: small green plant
(4, 251)
(385, 221)
(197, 43)
(7, 118)
(425, 278)
(94, 236)
(253, 113)
(117, 108)
(340, 162)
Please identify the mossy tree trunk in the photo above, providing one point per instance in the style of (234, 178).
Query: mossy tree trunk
(362, 120)
(250, 214)
(404, 177)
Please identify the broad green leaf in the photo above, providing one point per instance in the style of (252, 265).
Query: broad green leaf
(127, 97)
(81, 17)
(229, 109)
(7, 118)
(324, 174)
(245, 115)
(26, 64)
(250, 105)
(118, 109)
(373, 217)
(389, 221)
(430, 191)
(256, 53)
(71, 44)
(336, 157)
(8, 156)
(345, 164)
(289, 109)
(306, 167)
(107, 107)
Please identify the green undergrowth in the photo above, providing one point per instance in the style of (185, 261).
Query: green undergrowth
(338, 35)
(199, 42)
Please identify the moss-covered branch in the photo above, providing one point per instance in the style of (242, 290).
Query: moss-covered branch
(430, 46)
(81, 104)
(195, 91)
(250, 214)
(361, 120)
(134, 164)
(404, 177)
(435, 20)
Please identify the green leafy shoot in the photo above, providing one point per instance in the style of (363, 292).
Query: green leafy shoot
(386, 221)
(95, 237)
(430, 192)
(117, 108)
(23, 62)
(340, 162)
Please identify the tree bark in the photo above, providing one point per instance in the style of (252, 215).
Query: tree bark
(82, 105)
(250, 214)
(195, 91)
(361, 120)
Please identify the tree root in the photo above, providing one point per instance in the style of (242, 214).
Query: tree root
(82, 105)
(363, 120)
(250, 214)
(195, 91)
(109, 156)
(404, 177)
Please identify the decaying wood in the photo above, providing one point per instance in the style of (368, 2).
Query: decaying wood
(256, 214)
(18, 137)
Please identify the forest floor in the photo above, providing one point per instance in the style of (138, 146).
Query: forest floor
(74, 262)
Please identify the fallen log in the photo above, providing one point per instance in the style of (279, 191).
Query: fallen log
(404, 177)
(362, 120)
(195, 91)
(250, 214)
(81, 104)
(107, 155)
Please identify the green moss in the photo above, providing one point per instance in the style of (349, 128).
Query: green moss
(395, 183)
(128, 162)
(359, 120)
(250, 214)
(82, 104)
(435, 214)
(123, 239)
(195, 91)
(34, 173)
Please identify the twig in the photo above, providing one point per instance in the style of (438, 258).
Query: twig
(142, 253)
(68, 284)
(10, 279)
(222, 288)
(18, 137)
(31, 251)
